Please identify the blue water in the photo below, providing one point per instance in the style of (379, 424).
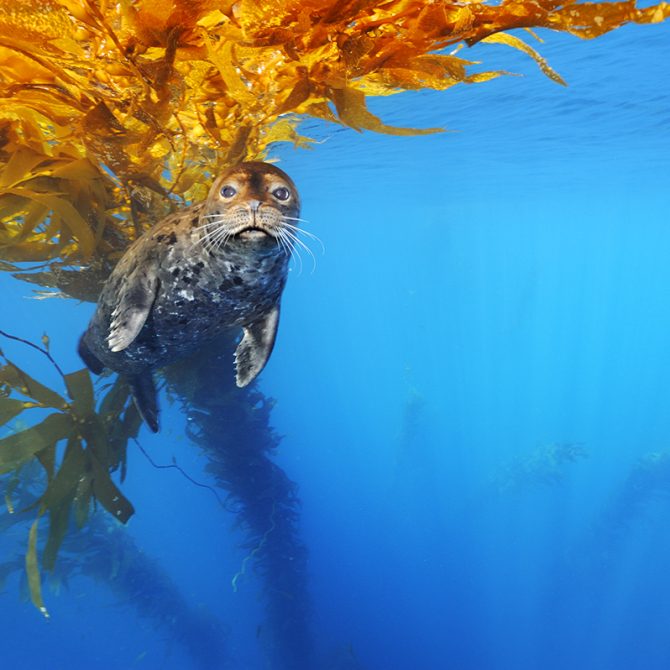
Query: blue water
(485, 293)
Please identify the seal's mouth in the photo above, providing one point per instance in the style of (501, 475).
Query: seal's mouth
(252, 233)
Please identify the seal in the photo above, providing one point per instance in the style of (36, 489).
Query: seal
(217, 265)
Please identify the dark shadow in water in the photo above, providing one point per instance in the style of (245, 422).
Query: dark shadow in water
(648, 480)
(608, 599)
(105, 552)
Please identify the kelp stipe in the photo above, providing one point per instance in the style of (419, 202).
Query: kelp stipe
(232, 427)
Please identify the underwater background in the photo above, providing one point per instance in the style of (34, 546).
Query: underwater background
(471, 390)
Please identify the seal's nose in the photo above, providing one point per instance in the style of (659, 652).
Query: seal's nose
(253, 206)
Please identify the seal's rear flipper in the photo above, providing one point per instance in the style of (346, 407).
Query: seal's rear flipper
(253, 351)
(146, 398)
(90, 359)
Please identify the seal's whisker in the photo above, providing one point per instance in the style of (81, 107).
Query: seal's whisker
(226, 238)
(293, 233)
(211, 224)
(212, 228)
(222, 239)
(294, 252)
(284, 243)
(297, 251)
(215, 222)
(284, 247)
(287, 249)
(300, 230)
(307, 249)
(209, 235)
(312, 236)
(298, 241)
(215, 238)
(294, 218)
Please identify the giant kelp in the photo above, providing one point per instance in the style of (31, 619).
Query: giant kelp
(113, 113)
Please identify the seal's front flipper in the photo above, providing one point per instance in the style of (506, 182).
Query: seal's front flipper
(146, 398)
(92, 362)
(135, 300)
(253, 351)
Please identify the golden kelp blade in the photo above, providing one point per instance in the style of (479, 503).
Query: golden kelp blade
(516, 43)
(112, 113)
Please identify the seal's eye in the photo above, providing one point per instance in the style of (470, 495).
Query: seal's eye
(228, 191)
(281, 193)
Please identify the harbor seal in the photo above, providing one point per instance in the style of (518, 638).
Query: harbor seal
(212, 267)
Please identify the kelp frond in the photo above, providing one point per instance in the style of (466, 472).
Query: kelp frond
(95, 436)
(111, 111)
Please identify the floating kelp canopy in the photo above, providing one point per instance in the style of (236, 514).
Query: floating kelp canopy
(113, 111)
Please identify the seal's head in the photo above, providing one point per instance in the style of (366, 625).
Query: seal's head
(250, 203)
